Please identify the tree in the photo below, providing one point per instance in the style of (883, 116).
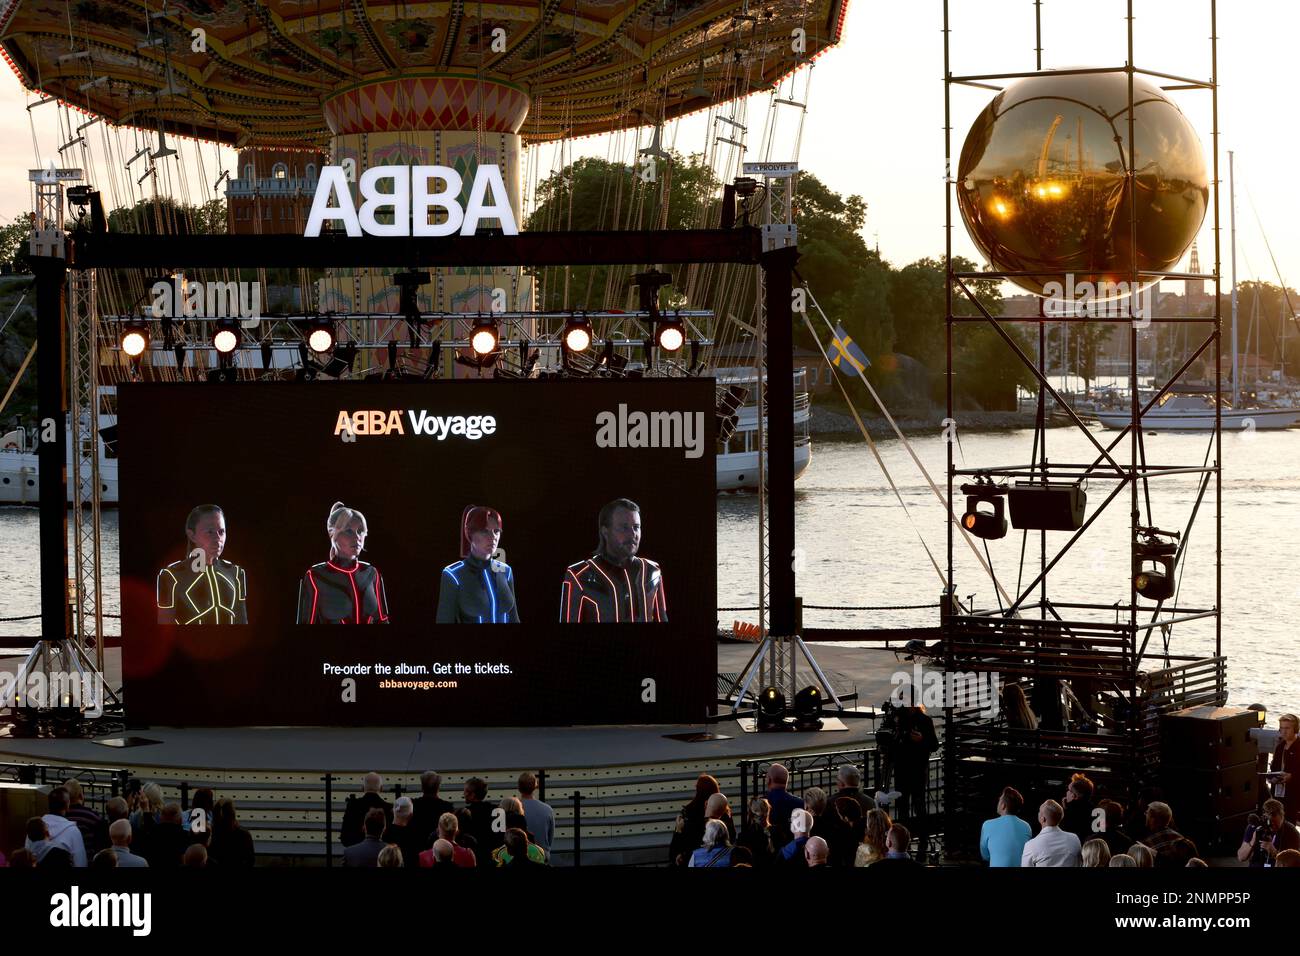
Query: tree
(166, 216)
(13, 244)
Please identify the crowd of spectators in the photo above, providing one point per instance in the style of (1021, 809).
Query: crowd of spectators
(138, 829)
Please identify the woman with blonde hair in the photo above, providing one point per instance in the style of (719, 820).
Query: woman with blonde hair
(343, 589)
(872, 847)
(1095, 853)
(1016, 707)
(1142, 856)
(1122, 860)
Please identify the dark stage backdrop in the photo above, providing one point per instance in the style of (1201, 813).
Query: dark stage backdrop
(269, 456)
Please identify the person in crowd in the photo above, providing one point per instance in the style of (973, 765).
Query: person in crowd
(1016, 707)
(119, 832)
(116, 809)
(801, 824)
(343, 589)
(1268, 836)
(23, 859)
(1003, 839)
(897, 841)
(875, 835)
(94, 831)
(816, 852)
(689, 831)
(1094, 853)
(1196, 863)
(1053, 847)
(402, 834)
(513, 808)
(1286, 764)
(540, 816)
(716, 850)
(476, 821)
(1122, 859)
(913, 740)
(105, 859)
(1078, 807)
(428, 808)
(169, 839)
(231, 846)
(196, 857)
(1142, 856)
(64, 832)
(1117, 841)
(741, 857)
(145, 819)
(1171, 848)
(849, 826)
(849, 780)
(449, 833)
(1287, 859)
(519, 853)
(1136, 823)
(782, 803)
(441, 856)
(390, 856)
(204, 799)
(756, 837)
(366, 853)
(46, 853)
(354, 814)
(718, 807)
(815, 802)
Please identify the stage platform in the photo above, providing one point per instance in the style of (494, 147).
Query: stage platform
(632, 779)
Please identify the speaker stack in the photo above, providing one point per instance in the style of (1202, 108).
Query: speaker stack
(1208, 772)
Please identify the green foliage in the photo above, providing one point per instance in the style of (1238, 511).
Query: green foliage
(166, 216)
(13, 244)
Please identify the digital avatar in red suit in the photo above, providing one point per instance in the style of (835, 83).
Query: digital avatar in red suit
(343, 589)
(614, 585)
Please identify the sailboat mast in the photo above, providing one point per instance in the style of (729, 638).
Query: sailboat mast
(1232, 219)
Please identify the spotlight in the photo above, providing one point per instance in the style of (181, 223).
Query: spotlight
(577, 334)
(985, 524)
(226, 336)
(1156, 552)
(484, 336)
(671, 334)
(135, 338)
(808, 708)
(771, 709)
(320, 335)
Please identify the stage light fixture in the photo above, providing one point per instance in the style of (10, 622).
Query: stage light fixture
(771, 709)
(226, 336)
(1051, 506)
(320, 335)
(484, 337)
(577, 333)
(1157, 554)
(134, 338)
(727, 410)
(671, 334)
(408, 302)
(808, 708)
(981, 523)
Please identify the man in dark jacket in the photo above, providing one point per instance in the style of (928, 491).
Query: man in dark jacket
(350, 832)
(403, 834)
(94, 830)
(429, 807)
(1078, 809)
(168, 839)
(850, 782)
(366, 853)
(912, 739)
(476, 820)
(782, 802)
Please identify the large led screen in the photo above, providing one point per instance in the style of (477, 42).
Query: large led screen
(261, 523)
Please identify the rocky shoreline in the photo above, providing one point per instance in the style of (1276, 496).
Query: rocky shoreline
(827, 423)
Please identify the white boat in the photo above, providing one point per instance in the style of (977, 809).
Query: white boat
(19, 469)
(738, 457)
(1190, 413)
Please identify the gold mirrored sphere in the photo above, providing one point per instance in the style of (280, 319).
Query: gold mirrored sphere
(1041, 182)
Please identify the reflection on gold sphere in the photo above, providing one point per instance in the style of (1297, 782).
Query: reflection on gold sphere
(1041, 180)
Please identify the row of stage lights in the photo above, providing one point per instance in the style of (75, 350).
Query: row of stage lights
(484, 339)
(1053, 506)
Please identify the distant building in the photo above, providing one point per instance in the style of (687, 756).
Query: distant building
(1195, 289)
(816, 368)
(274, 191)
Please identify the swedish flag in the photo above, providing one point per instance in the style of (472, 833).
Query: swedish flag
(846, 352)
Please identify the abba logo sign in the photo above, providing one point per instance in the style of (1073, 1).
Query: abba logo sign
(410, 196)
(625, 429)
(376, 421)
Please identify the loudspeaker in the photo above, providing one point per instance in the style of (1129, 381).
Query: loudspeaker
(1210, 794)
(1214, 836)
(1208, 738)
(1047, 507)
(18, 803)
